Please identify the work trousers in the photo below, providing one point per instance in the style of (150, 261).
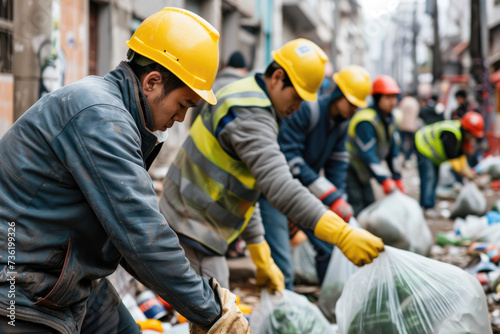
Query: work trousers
(359, 194)
(105, 314)
(429, 176)
(208, 266)
(277, 236)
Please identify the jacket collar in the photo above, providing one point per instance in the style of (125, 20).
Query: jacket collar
(135, 102)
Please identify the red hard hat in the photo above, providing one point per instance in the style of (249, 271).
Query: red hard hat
(386, 85)
(473, 122)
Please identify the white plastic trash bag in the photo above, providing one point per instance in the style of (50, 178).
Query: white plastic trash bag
(470, 201)
(399, 221)
(287, 313)
(304, 262)
(340, 269)
(446, 176)
(402, 292)
(491, 235)
(491, 166)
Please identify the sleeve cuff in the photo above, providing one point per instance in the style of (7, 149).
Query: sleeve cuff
(321, 188)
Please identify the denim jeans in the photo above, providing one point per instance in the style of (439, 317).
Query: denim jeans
(407, 143)
(278, 238)
(359, 195)
(429, 175)
(323, 251)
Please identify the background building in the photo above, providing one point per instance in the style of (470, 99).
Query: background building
(46, 44)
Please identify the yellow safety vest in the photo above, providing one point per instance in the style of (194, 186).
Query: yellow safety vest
(428, 141)
(383, 141)
(213, 185)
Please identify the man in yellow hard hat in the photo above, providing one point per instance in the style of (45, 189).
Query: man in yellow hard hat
(373, 138)
(232, 156)
(76, 199)
(313, 141)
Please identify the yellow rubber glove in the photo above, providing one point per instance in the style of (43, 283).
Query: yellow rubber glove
(461, 166)
(358, 245)
(268, 274)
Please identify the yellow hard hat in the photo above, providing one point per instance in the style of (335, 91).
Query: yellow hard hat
(354, 82)
(183, 43)
(304, 62)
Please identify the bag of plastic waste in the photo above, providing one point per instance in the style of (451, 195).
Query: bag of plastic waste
(399, 221)
(490, 166)
(402, 293)
(338, 272)
(446, 176)
(490, 235)
(304, 262)
(470, 201)
(287, 313)
(496, 206)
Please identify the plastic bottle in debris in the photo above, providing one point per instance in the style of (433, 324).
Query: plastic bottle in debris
(151, 306)
(470, 227)
(489, 279)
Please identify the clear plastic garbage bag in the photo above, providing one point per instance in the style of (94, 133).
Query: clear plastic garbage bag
(304, 262)
(340, 269)
(491, 235)
(470, 201)
(490, 166)
(402, 292)
(287, 313)
(446, 177)
(399, 221)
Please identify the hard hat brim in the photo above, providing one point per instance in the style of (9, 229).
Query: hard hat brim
(207, 95)
(305, 95)
(357, 102)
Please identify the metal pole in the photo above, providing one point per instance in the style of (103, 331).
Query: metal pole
(415, 30)
(335, 31)
(437, 65)
(479, 50)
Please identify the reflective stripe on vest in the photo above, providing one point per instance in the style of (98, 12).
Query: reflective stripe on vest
(428, 141)
(383, 140)
(212, 184)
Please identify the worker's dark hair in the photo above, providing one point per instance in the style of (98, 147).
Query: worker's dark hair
(272, 68)
(376, 98)
(170, 80)
(237, 60)
(461, 93)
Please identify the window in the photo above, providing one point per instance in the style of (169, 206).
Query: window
(6, 26)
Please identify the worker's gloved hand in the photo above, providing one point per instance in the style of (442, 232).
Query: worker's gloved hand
(342, 208)
(231, 319)
(358, 245)
(400, 185)
(268, 274)
(461, 166)
(389, 186)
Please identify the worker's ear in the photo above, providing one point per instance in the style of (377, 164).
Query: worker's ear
(277, 78)
(151, 82)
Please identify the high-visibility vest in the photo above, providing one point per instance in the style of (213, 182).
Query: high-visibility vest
(213, 185)
(383, 141)
(428, 141)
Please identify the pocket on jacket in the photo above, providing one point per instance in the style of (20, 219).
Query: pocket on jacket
(69, 288)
